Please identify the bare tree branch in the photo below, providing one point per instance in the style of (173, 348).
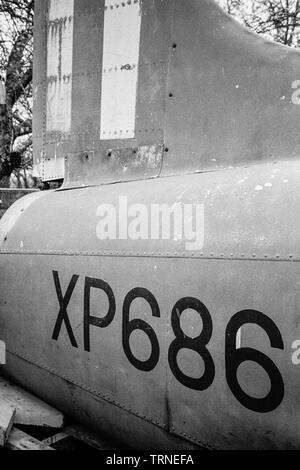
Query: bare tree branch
(16, 50)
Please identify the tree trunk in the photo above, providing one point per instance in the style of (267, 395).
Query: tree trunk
(6, 134)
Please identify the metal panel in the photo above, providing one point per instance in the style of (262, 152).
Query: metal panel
(52, 85)
(53, 168)
(124, 163)
(213, 417)
(156, 48)
(250, 254)
(115, 421)
(90, 160)
(223, 110)
(148, 88)
(59, 65)
(121, 47)
(39, 84)
(87, 75)
(238, 221)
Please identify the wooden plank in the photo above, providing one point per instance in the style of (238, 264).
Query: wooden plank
(7, 415)
(88, 437)
(30, 410)
(19, 440)
(53, 439)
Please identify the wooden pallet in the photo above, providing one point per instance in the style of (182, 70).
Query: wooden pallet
(72, 437)
(28, 423)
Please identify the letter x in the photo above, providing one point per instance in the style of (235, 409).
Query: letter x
(63, 303)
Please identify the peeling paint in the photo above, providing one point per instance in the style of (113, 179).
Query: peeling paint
(59, 65)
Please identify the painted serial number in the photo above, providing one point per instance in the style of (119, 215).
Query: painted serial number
(234, 356)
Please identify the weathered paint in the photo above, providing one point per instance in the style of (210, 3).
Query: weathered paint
(144, 339)
(193, 100)
(136, 93)
(232, 97)
(59, 65)
(53, 85)
(250, 254)
(120, 65)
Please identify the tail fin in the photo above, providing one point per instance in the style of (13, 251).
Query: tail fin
(136, 89)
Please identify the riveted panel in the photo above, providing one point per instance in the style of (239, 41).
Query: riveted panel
(139, 161)
(53, 85)
(89, 101)
(39, 80)
(121, 51)
(170, 371)
(115, 157)
(87, 73)
(59, 65)
(222, 111)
